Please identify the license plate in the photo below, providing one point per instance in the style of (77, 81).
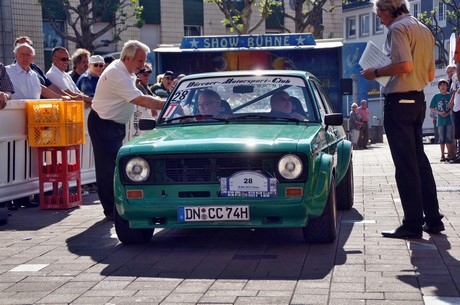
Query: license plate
(213, 213)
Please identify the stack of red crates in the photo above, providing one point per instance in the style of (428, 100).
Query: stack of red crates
(60, 173)
(56, 128)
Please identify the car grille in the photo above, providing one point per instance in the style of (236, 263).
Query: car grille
(207, 168)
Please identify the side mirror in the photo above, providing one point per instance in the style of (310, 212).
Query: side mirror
(147, 124)
(333, 119)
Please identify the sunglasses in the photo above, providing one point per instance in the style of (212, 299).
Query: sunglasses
(99, 65)
(64, 58)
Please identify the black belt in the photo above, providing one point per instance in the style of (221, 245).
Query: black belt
(403, 93)
(110, 121)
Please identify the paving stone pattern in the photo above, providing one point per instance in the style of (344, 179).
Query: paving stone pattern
(73, 256)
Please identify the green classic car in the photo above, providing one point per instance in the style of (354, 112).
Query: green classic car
(237, 149)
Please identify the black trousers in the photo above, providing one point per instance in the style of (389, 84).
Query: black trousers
(107, 138)
(364, 135)
(403, 121)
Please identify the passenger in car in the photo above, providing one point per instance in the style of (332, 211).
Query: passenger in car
(210, 103)
(297, 106)
(281, 106)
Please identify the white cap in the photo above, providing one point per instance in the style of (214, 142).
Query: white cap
(96, 58)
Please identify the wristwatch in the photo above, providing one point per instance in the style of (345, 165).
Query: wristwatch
(376, 72)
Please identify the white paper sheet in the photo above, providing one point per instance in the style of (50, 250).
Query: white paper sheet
(373, 57)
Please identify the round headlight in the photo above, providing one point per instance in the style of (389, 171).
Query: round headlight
(137, 169)
(290, 166)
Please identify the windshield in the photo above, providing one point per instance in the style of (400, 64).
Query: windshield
(240, 98)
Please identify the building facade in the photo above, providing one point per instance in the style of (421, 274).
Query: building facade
(361, 23)
(165, 23)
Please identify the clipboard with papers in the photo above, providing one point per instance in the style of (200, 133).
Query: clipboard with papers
(373, 57)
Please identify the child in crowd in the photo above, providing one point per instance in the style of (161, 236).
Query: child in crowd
(440, 105)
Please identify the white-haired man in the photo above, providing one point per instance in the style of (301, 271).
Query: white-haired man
(410, 46)
(113, 106)
(26, 81)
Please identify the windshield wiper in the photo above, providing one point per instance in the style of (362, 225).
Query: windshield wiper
(197, 118)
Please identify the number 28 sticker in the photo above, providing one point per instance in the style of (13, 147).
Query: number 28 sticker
(248, 183)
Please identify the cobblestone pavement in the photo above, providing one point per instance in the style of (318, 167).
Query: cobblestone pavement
(73, 256)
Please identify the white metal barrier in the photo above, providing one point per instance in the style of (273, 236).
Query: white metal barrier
(18, 161)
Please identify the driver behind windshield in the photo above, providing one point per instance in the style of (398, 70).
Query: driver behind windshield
(210, 103)
(281, 106)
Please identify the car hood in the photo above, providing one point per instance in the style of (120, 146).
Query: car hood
(223, 138)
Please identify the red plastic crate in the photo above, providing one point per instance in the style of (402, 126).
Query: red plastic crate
(55, 168)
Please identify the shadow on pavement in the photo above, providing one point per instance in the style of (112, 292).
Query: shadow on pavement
(32, 219)
(437, 272)
(214, 253)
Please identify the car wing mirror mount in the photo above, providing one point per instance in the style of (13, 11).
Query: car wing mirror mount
(147, 124)
(333, 119)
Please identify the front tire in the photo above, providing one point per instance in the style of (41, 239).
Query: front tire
(345, 190)
(323, 229)
(131, 236)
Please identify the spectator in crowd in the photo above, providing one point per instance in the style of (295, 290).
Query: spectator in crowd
(410, 45)
(57, 75)
(355, 125)
(440, 105)
(164, 88)
(6, 87)
(364, 131)
(113, 106)
(178, 78)
(88, 80)
(455, 106)
(159, 78)
(452, 146)
(143, 77)
(25, 80)
(80, 60)
(107, 60)
(49, 90)
(450, 71)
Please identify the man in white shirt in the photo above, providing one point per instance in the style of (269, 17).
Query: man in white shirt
(113, 106)
(57, 75)
(455, 106)
(25, 80)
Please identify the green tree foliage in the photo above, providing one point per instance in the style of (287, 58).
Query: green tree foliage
(305, 14)
(238, 14)
(430, 19)
(82, 17)
(308, 13)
